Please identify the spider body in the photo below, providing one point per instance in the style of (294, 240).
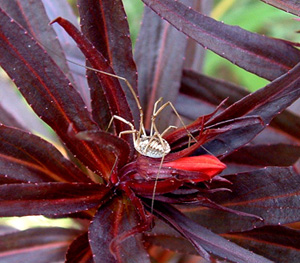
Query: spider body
(151, 146)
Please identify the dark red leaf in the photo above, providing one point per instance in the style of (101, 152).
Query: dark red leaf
(266, 57)
(218, 138)
(289, 123)
(266, 155)
(197, 126)
(164, 235)
(33, 18)
(107, 141)
(279, 243)
(197, 107)
(114, 93)
(49, 199)
(39, 245)
(27, 158)
(271, 193)
(195, 53)
(203, 239)
(237, 133)
(210, 90)
(104, 23)
(102, 232)
(159, 64)
(290, 6)
(79, 251)
(48, 91)
(167, 237)
(268, 101)
(27, 120)
(68, 48)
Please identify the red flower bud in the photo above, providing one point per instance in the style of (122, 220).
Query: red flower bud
(207, 164)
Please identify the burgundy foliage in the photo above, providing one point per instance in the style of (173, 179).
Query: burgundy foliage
(237, 179)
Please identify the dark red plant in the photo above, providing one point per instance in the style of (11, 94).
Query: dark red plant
(239, 180)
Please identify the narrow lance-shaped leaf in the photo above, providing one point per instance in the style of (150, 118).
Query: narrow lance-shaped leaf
(37, 24)
(47, 90)
(49, 199)
(105, 24)
(290, 6)
(114, 93)
(271, 241)
(39, 245)
(68, 48)
(117, 145)
(214, 91)
(160, 64)
(79, 250)
(26, 158)
(102, 232)
(266, 155)
(271, 193)
(203, 239)
(268, 101)
(266, 57)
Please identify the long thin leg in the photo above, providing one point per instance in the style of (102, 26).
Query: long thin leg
(128, 132)
(167, 129)
(155, 184)
(120, 119)
(154, 110)
(169, 103)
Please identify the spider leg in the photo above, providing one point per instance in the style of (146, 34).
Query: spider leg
(154, 110)
(167, 129)
(120, 119)
(162, 107)
(155, 183)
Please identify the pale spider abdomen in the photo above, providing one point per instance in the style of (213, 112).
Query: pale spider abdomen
(154, 149)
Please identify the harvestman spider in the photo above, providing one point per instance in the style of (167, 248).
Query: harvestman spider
(152, 145)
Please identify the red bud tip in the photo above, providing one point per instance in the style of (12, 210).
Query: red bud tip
(207, 164)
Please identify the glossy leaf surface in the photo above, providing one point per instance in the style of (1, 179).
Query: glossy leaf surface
(47, 89)
(79, 250)
(202, 238)
(49, 199)
(104, 23)
(278, 241)
(102, 233)
(160, 75)
(266, 57)
(270, 193)
(40, 245)
(212, 91)
(268, 101)
(27, 158)
(114, 93)
(264, 155)
(68, 47)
